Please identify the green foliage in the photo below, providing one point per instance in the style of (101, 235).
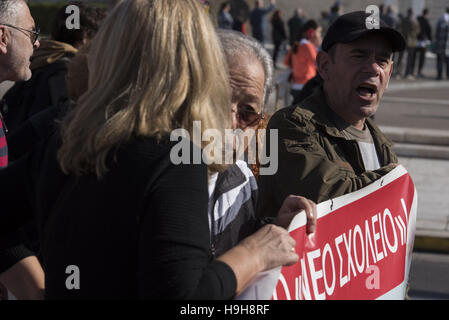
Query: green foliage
(44, 13)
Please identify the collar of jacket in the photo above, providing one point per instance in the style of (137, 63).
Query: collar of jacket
(228, 180)
(49, 52)
(316, 110)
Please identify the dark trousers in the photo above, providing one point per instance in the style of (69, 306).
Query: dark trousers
(277, 47)
(411, 51)
(258, 34)
(441, 60)
(397, 58)
(421, 56)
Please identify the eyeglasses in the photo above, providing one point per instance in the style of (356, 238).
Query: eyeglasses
(32, 34)
(248, 117)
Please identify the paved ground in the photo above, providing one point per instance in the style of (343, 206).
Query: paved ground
(429, 276)
(416, 108)
(431, 179)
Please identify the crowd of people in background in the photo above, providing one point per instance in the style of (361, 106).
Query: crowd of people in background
(421, 36)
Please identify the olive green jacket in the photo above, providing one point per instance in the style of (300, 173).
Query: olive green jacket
(315, 159)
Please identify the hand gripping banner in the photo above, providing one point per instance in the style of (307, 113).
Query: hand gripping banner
(361, 248)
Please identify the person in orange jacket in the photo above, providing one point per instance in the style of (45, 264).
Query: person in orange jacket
(301, 58)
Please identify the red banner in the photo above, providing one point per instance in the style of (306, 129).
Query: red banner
(361, 248)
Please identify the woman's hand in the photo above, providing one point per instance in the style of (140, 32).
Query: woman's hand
(268, 248)
(273, 247)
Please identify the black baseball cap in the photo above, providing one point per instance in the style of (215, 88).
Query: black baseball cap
(352, 26)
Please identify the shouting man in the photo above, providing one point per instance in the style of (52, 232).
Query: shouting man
(327, 144)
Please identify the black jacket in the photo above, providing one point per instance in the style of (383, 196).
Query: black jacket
(139, 232)
(278, 31)
(47, 87)
(425, 29)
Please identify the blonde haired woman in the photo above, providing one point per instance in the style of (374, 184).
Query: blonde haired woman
(121, 220)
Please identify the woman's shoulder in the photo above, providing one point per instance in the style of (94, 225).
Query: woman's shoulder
(148, 151)
(146, 146)
(150, 161)
(310, 46)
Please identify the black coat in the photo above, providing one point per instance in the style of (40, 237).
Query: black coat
(141, 231)
(278, 32)
(425, 29)
(294, 26)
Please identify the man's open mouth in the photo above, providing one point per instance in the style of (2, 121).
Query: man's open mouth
(366, 90)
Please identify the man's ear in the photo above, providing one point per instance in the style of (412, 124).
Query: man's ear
(323, 60)
(4, 39)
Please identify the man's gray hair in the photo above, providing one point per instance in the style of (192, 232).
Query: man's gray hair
(236, 43)
(8, 10)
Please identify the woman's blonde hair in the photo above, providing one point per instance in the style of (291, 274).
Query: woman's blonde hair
(154, 66)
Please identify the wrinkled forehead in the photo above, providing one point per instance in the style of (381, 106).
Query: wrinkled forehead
(371, 43)
(246, 66)
(241, 58)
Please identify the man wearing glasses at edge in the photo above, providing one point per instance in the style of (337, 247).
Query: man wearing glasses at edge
(233, 193)
(18, 39)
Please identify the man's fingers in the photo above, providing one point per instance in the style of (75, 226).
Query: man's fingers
(311, 217)
(297, 203)
(394, 165)
(294, 204)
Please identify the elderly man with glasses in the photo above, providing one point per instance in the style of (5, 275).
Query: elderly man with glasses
(48, 86)
(18, 39)
(233, 193)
